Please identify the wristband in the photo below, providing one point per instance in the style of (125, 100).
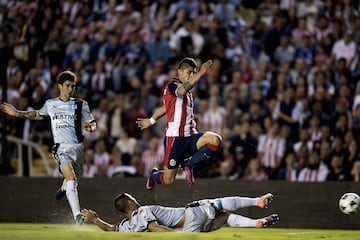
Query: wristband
(152, 121)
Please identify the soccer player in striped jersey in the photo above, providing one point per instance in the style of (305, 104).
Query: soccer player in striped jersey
(68, 117)
(181, 136)
(200, 216)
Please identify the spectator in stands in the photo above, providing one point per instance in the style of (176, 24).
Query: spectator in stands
(315, 170)
(225, 170)
(344, 48)
(158, 48)
(101, 157)
(254, 171)
(89, 169)
(337, 171)
(285, 52)
(117, 115)
(78, 48)
(124, 168)
(290, 169)
(153, 157)
(98, 83)
(125, 142)
(288, 112)
(14, 72)
(306, 50)
(271, 149)
(242, 148)
(214, 117)
(33, 89)
(304, 140)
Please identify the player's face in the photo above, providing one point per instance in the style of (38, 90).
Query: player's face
(66, 89)
(186, 74)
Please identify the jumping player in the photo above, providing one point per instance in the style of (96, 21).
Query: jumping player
(68, 117)
(200, 216)
(181, 137)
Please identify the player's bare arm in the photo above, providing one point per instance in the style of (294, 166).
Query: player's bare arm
(12, 111)
(92, 217)
(188, 85)
(147, 122)
(155, 227)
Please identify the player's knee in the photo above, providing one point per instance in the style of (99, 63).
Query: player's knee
(211, 138)
(220, 140)
(216, 140)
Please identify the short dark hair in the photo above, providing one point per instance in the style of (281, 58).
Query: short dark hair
(187, 62)
(66, 76)
(121, 202)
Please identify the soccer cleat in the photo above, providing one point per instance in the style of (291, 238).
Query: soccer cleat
(150, 184)
(265, 200)
(189, 175)
(79, 220)
(267, 221)
(60, 194)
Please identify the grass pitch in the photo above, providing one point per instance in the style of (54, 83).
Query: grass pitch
(16, 231)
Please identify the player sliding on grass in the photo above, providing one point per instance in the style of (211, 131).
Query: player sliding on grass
(68, 117)
(181, 136)
(200, 216)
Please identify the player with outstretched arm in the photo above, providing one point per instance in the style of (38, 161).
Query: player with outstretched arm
(181, 136)
(68, 116)
(200, 216)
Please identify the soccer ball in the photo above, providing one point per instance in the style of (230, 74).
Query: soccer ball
(349, 203)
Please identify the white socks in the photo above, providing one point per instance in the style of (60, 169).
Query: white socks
(234, 203)
(73, 197)
(235, 220)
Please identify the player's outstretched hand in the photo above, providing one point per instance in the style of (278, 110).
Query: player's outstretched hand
(89, 215)
(143, 123)
(8, 108)
(205, 66)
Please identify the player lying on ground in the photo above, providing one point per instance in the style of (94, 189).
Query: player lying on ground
(68, 117)
(182, 140)
(200, 216)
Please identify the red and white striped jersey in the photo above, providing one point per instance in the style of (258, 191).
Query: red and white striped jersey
(180, 112)
(271, 149)
(314, 175)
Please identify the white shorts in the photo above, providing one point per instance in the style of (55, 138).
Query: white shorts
(69, 153)
(200, 218)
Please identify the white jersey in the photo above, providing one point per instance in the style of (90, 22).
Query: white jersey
(66, 119)
(166, 216)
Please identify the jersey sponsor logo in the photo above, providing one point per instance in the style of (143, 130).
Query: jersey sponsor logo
(62, 126)
(172, 162)
(62, 116)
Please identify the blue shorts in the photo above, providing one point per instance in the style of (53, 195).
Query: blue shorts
(179, 148)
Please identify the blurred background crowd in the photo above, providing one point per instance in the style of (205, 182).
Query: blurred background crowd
(283, 90)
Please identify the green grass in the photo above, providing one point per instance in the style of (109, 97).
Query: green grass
(15, 231)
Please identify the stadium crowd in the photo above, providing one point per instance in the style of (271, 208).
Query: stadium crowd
(283, 90)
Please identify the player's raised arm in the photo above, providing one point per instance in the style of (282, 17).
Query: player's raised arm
(92, 217)
(12, 111)
(147, 122)
(188, 85)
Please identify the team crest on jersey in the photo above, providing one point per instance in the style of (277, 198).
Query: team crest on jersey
(172, 162)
